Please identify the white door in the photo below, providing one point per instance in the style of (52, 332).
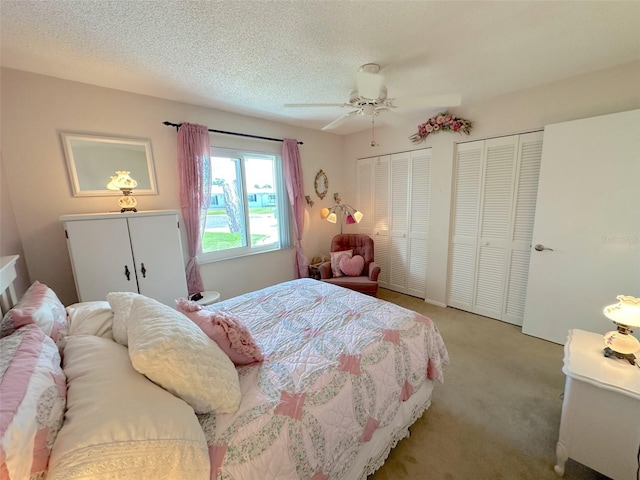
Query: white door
(420, 189)
(399, 222)
(521, 231)
(494, 228)
(493, 214)
(101, 257)
(157, 251)
(464, 233)
(588, 213)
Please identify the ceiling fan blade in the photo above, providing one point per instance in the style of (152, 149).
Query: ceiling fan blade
(369, 84)
(431, 101)
(339, 121)
(304, 105)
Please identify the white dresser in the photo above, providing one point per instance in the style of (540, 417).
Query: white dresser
(127, 252)
(600, 424)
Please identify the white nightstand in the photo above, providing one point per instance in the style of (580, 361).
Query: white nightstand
(209, 298)
(600, 424)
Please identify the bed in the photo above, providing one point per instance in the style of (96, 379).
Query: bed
(343, 378)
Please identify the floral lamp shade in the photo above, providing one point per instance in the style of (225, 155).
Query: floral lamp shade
(347, 212)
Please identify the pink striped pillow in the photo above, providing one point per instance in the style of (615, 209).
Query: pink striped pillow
(352, 266)
(41, 306)
(33, 390)
(232, 337)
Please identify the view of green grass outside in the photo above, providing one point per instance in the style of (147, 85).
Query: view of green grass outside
(213, 241)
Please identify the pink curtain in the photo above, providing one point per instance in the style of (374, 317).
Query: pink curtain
(194, 151)
(295, 188)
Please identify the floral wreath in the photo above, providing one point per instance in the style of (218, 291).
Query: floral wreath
(444, 121)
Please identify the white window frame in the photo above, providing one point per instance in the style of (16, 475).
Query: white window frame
(283, 208)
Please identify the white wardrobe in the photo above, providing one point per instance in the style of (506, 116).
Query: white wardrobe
(494, 202)
(127, 252)
(393, 194)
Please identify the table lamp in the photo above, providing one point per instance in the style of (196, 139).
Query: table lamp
(626, 315)
(123, 182)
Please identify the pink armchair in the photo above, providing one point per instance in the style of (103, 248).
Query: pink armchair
(361, 245)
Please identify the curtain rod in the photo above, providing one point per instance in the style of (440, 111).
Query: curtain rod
(177, 125)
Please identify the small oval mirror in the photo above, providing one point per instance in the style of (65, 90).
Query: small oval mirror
(321, 184)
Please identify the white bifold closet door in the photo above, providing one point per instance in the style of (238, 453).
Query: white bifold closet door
(397, 187)
(494, 203)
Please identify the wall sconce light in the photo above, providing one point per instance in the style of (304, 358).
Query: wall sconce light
(346, 212)
(626, 315)
(123, 182)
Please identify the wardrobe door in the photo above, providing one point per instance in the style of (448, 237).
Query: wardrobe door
(157, 251)
(100, 253)
(464, 233)
(420, 185)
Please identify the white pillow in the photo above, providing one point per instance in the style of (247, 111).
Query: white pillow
(175, 353)
(91, 318)
(119, 424)
(121, 304)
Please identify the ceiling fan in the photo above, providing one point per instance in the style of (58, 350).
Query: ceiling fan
(370, 98)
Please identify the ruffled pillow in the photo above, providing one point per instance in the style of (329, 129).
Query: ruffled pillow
(232, 337)
(335, 261)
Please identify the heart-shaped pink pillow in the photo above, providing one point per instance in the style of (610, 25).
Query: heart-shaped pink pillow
(352, 266)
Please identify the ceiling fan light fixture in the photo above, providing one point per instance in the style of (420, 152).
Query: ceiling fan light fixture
(369, 109)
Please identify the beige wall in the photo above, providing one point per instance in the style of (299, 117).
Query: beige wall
(607, 91)
(10, 242)
(35, 109)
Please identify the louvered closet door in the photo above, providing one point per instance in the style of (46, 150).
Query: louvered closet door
(399, 217)
(420, 181)
(380, 235)
(373, 202)
(495, 225)
(526, 192)
(464, 235)
(365, 195)
(493, 213)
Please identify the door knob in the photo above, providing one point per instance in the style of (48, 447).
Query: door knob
(539, 247)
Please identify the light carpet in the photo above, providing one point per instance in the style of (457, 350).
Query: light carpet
(497, 414)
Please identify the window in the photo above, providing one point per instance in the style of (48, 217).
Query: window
(249, 210)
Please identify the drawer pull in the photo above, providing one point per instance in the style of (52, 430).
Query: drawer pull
(127, 273)
(143, 271)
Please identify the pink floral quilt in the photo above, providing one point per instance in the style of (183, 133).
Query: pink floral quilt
(337, 366)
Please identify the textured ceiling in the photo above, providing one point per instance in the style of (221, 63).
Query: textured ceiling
(252, 57)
